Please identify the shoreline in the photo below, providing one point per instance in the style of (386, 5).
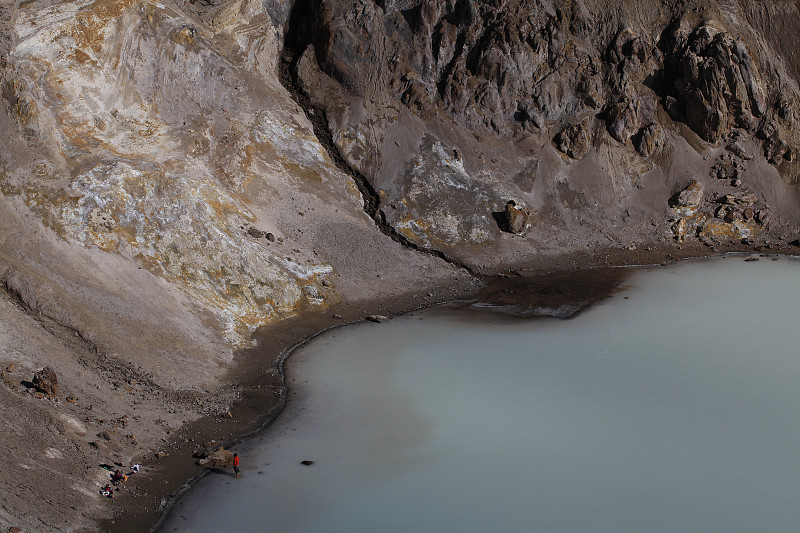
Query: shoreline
(259, 375)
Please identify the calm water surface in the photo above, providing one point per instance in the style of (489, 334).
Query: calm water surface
(673, 406)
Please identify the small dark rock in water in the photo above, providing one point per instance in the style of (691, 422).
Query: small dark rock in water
(307, 463)
(377, 318)
(751, 259)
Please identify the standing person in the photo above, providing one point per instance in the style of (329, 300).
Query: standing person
(236, 464)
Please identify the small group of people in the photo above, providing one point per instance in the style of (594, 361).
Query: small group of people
(107, 491)
(116, 478)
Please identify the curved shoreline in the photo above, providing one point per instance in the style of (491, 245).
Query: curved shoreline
(253, 412)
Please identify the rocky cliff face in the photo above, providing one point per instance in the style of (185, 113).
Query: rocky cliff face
(175, 174)
(584, 113)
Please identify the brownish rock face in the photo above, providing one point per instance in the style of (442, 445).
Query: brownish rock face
(46, 382)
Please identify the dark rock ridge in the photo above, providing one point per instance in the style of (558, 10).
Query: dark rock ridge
(404, 85)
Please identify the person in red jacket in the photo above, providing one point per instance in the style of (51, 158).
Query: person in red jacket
(236, 464)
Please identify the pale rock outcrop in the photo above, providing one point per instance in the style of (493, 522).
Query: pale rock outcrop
(691, 195)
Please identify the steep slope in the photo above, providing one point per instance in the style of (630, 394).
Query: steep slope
(161, 196)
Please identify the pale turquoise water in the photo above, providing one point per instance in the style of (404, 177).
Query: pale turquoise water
(674, 406)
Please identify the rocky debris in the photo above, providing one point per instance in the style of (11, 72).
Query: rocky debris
(739, 151)
(207, 449)
(220, 458)
(377, 318)
(259, 234)
(776, 150)
(690, 196)
(46, 382)
(743, 199)
(778, 130)
(725, 171)
(646, 141)
(731, 215)
(515, 218)
(574, 141)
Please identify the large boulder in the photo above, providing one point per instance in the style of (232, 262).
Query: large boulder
(221, 458)
(691, 195)
(46, 382)
(515, 218)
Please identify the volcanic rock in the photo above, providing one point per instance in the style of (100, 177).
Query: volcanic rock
(647, 139)
(46, 382)
(221, 458)
(743, 199)
(623, 119)
(573, 141)
(691, 195)
(714, 80)
(515, 218)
